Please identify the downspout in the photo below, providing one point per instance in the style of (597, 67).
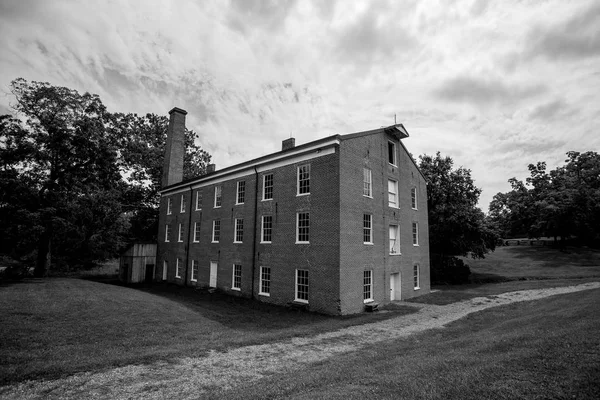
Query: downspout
(187, 245)
(254, 255)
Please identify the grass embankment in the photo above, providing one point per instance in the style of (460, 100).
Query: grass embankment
(514, 268)
(56, 327)
(544, 349)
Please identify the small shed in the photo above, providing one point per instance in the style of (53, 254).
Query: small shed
(137, 263)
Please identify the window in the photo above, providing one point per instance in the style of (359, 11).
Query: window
(198, 200)
(415, 233)
(268, 187)
(180, 234)
(302, 227)
(216, 234)
(265, 281)
(218, 190)
(182, 209)
(196, 232)
(178, 268)
(392, 153)
(302, 285)
(367, 286)
(236, 277)
(194, 277)
(169, 206)
(267, 229)
(416, 276)
(394, 239)
(241, 192)
(304, 179)
(165, 269)
(367, 228)
(392, 193)
(413, 198)
(167, 233)
(239, 231)
(367, 180)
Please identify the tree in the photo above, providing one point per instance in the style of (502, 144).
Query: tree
(457, 227)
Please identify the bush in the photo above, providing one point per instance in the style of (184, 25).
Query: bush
(449, 270)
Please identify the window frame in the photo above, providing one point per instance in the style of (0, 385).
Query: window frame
(194, 272)
(271, 186)
(168, 231)
(235, 277)
(416, 277)
(216, 228)
(368, 230)
(413, 198)
(396, 240)
(415, 233)
(395, 204)
(238, 230)
(218, 196)
(264, 283)
(170, 206)
(240, 185)
(367, 182)
(392, 150)
(299, 181)
(196, 238)
(263, 229)
(182, 205)
(180, 233)
(368, 286)
(177, 268)
(199, 198)
(298, 284)
(307, 227)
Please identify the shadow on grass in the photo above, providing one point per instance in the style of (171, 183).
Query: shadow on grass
(554, 257)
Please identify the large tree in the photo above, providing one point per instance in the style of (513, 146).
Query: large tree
(457, 227)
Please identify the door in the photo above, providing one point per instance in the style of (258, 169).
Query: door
(213, 274)
(149, 273)
(395, 287)
(164, 271)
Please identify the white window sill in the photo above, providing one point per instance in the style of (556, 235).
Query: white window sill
(236, 289)
(267, 200)
(302, 242)
(266, 242)
(193, 280)
(264, 294)
(177, 277)
(368, 243)
(239, 204)
(180, 241)
(393, 206)
(395, 254)
(195, 241)
(302, 194)
(368, 301)
(370, 197)
(416, 209)
(181, 212)
(392, 165)
(167, 241)
(237, 242)
(417, 288)
(170, 213)
(217, 207)
(198, 209)
(301, 301)
(416, 245)
(215, 242)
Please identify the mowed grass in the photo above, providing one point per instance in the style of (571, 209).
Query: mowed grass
(513, 268)
(544, 349)
(56, 327)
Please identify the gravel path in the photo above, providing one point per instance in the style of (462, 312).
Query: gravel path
(189, 378)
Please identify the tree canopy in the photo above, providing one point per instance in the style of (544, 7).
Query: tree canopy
(77, 181)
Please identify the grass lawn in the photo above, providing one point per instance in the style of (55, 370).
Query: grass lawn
(56, 327)
(545, 349)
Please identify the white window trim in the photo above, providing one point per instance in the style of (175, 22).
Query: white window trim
(167, 239)
(212, 238)
(262, 230)
(260, 281)
(397, 203)
(264, 187)
(237, 193)
(397, 227)
(370, 229)
(418, 277)
(179, 234)
(414, 190)
(298, 180)
(169, 206)
(370, 299)
(395, 163)
(221, 195)
(370, 183)
(198, 205)
(415, 225)
(192, 279)
(235, 226)
(233, 279)
(296, 289)
(182, 205)
(298, 228)
(177, 275)
(196, 238)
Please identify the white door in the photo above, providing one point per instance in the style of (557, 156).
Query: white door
(395, 287)
(213, 274)
(164, 270)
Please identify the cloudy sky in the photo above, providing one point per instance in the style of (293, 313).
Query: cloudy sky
(494, 85)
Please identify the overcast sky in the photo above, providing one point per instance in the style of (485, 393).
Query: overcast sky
(495, 85)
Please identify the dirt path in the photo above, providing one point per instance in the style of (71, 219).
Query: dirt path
(191, 377)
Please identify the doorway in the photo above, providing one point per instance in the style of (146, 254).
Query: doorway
(395, 293)
(149, 273)
(213, 275)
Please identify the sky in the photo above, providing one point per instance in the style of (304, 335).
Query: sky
(494, 85)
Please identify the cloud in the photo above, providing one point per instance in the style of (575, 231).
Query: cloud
(551, 110)
(485, 91)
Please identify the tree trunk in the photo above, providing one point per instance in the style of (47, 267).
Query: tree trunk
(44, 255)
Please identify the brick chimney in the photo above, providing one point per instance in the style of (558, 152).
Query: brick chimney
(210, 168)
(288, 144)
(175, 148)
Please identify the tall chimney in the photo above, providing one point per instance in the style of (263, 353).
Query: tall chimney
(288, 144)
(175, 148)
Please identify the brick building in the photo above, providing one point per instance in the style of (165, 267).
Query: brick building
(333, 224)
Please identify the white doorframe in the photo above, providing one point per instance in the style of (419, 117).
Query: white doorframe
(213, 274)
(395, 287)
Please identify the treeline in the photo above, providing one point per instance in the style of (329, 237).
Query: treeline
(563, 204)
(77, 182)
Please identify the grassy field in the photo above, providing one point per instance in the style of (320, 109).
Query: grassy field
(56, 327)
(545, 349)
